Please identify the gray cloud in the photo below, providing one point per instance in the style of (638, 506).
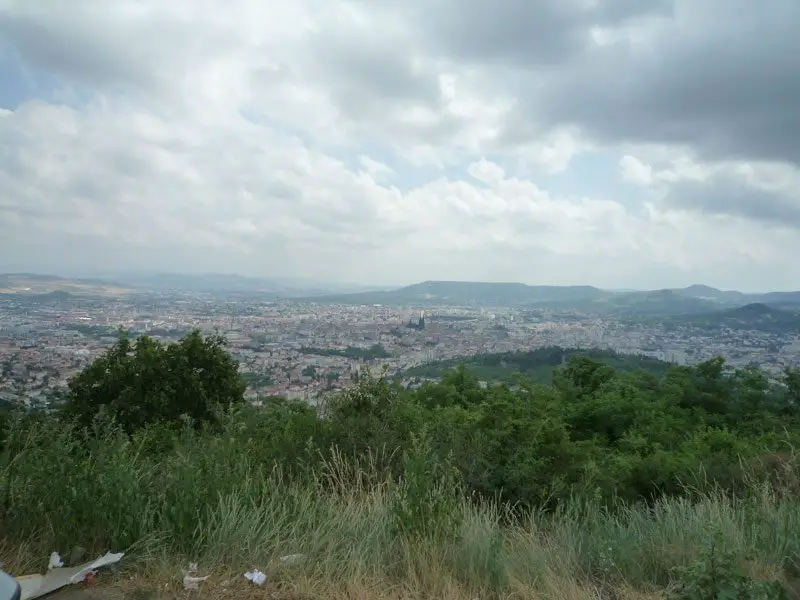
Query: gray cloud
(359, 67)
(724, 80)
(546, 32)
(720, 76)
(727, 195)
(69, 51)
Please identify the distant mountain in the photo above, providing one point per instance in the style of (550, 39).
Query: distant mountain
(465, 293)
(782, 299)
(692, 300)
(579, 298)
(705, 292)
(754, 316)
(653, 303)
(740, 298)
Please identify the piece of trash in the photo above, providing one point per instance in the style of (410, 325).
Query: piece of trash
(34, 586)
(190, 580)
(29, 585)
(291, 559)
(55, 561)
(256, 576)
(90, 578)
(104, 561)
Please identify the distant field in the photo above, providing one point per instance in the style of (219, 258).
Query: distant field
(537, 365)
(45, 284)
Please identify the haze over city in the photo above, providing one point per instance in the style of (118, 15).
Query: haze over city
(618, 144)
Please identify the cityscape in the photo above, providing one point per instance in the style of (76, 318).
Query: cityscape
(301, 349)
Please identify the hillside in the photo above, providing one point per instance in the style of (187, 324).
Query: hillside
(780, 299)
(754, 316)
(692, 300)
(537, 365)
(650, 303)
(705, 292)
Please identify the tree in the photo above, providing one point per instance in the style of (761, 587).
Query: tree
(583, 376)
(146, 381)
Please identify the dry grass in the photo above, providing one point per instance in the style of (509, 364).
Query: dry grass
(208, 501)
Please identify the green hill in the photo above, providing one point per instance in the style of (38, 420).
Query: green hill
(705, 292)
(537, 365)
(586, 299)
(644, 304)
(756, 316)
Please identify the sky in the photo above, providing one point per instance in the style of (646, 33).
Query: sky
(617, 143)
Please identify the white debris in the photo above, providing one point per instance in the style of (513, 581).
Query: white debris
(107, 559)
(190, 579)
(291, 559)
(256, 576)
(192, 582)
(55, 561)
(34, 586)
(30, 585)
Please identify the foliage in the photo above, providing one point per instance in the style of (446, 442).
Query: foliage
(752, 317)
(146, 381)
(257, 379)
(371, 353)
(93, 331)
(427, 501)
(718, 575)
(609, 476)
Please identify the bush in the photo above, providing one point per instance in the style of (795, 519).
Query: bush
(146, 382)
(718, 575)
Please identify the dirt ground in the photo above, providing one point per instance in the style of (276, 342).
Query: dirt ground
(134, 588)
(76, 592)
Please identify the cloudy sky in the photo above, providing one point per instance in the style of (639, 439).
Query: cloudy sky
(620, 143)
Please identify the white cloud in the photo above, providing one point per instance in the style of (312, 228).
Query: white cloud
(634, 170)
(376, 169)
(256, 140)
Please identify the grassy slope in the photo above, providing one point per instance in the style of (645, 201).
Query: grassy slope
(210, 499)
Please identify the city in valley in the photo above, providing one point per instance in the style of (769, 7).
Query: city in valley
(301, 348)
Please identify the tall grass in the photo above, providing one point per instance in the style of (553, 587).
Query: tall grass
(218, 501)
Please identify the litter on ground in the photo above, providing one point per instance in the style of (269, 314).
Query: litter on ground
(256, 576)
(191, 581)
(58, 576)
(55, 561)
